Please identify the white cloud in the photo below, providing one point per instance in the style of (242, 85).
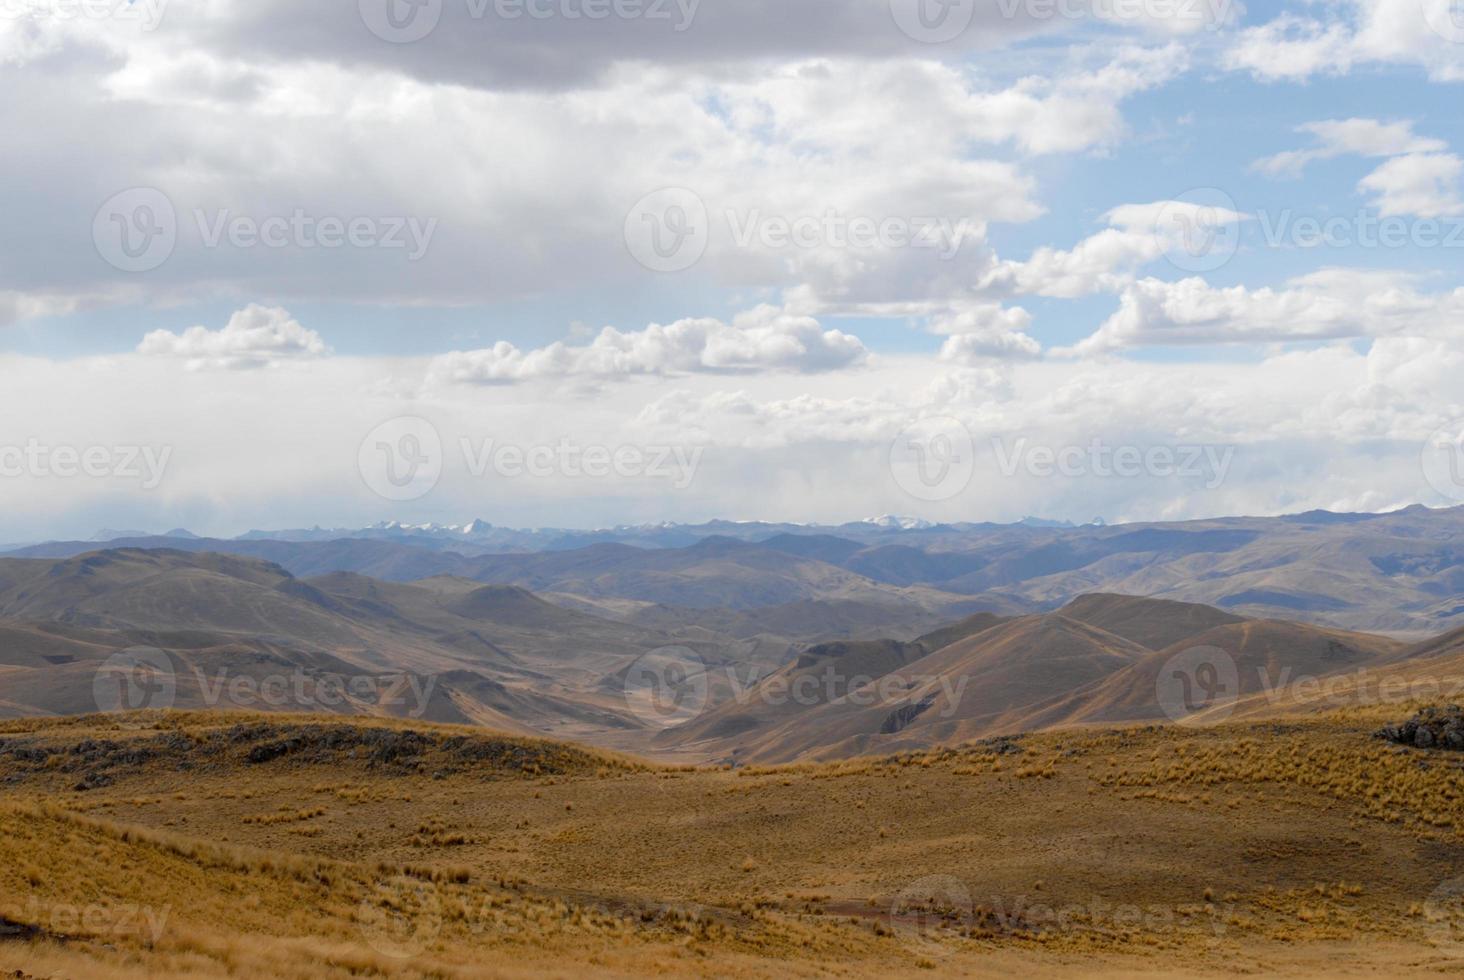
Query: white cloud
(1338, 137)
(16, 305)
(764, 339)
(847, 123)
(984, 333)
(1423, 184)
(1071, 112)
(1292, 48)
(1108, 260)
(1326, 305)
(256, 336)
(1422, 33)
(1420, 178)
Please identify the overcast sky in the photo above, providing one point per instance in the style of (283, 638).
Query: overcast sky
(589, 262)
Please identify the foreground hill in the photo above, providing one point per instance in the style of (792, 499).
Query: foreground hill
(305, 848)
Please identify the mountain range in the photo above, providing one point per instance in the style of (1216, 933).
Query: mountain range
(801, 644)
(1400, 573)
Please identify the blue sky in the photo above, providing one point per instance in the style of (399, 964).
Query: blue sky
(535, 159)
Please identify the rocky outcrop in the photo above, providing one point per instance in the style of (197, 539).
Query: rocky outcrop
(1431, 728)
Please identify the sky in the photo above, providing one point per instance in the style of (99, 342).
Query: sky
(578, 263)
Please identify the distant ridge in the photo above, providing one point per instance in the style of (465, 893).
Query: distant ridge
(1398, 573)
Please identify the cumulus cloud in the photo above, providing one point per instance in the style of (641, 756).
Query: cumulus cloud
(1295, 48)
(255, 337)
(1339, 137)
(16, 305)
(985, 332)
(820, 114)
(1109, 260)
(764, 339)
(1073, 111)
(1292, 48)
(1422, 184)
(1326, 305)
(1419, 178)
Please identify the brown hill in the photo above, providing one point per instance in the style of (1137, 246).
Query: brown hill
(957, 691)
(225, 631)
(821, 674)
(1205, 674)
(1153, 623)
(306, 848)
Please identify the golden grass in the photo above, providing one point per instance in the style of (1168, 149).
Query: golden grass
(1262, 848)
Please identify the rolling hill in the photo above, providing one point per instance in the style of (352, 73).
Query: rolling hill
(1400, 573)
(302, 848)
